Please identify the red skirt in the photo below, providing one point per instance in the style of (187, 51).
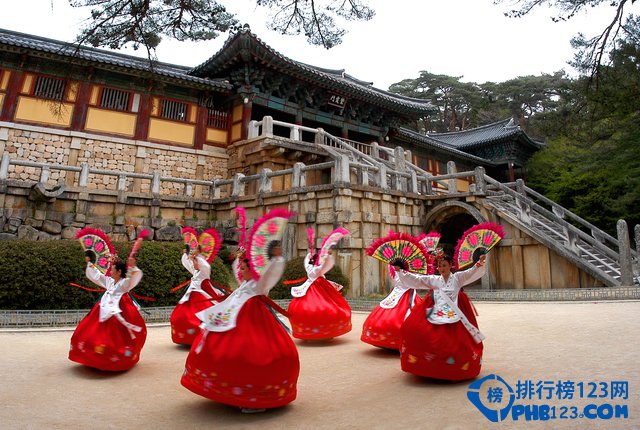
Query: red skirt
(322, 313)
(185, 325)
(108, 345)
(382, 326)
(254, 365)
(440, 351)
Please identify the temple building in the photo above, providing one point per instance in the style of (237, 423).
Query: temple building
(200, 122)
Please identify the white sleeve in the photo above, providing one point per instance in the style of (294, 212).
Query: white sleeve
(413, 280)
(471, 274)
(187, 263)
(271, 276)
(329, 262)
(95, 275)
(204, 267)
(312, 270)
(134, 275)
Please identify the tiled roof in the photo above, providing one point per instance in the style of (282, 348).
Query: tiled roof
(48, 48)
(429, 143)
(237, 46)
(498, 131)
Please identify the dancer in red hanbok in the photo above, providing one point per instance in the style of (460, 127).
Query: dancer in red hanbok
(400, 251)
(201, 293)
(318, 310)
(442, 341)
(382, 326)
(112, 335)
(244, 355)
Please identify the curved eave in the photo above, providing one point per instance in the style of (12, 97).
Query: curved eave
(33, 46)
(518, 136)
(236, 47)
(427, 142)
(490, 133)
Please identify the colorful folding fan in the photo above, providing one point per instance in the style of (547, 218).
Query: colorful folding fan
(430, 240)
(476, 241)
(267, 230)
(329, 241)
(190, 238)
(401, 248)
(210, 242)
(96, 242)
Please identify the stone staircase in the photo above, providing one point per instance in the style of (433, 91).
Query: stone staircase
(596, 252)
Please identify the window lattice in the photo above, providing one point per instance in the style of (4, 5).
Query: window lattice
(174, 110)
(217, 118)
(115, 99)
(49, 88)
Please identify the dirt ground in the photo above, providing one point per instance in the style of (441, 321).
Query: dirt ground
(344, 383)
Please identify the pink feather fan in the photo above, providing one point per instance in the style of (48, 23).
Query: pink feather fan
(330, 240)
(97, 242)
(477, 240)
(267, 229)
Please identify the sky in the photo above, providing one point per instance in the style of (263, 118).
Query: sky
(470, 39)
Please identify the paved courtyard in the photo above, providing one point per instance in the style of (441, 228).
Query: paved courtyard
(346, 384)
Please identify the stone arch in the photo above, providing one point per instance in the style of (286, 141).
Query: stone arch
(451, 219)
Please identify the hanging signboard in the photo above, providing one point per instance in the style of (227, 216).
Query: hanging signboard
(337, 101)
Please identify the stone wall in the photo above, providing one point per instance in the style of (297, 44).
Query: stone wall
(47, 145)
(57, 208)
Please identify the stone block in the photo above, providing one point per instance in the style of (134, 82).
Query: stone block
(12, 225)
(106, 228)
(68, 233)
(7, 236)
(169, 233)
(52, 227)
(43, 236)
(35, 223)
(26, 232)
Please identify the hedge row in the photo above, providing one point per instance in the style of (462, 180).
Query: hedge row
(37, 275)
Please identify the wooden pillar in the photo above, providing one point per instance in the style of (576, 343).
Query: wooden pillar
(144, 115)
(512, 176)
(81, 106)
(247, 106)
(202, 120)
(10, 101)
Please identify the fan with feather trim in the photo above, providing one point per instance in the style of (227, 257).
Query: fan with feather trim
(401, 248)
(476, 241)
(331, 239)
(96, 242)
(266, 231)
(430, 240)
(190, 238)
(210, 243)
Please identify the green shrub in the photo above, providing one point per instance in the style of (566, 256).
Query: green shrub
(36, 275)
(295, 270)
